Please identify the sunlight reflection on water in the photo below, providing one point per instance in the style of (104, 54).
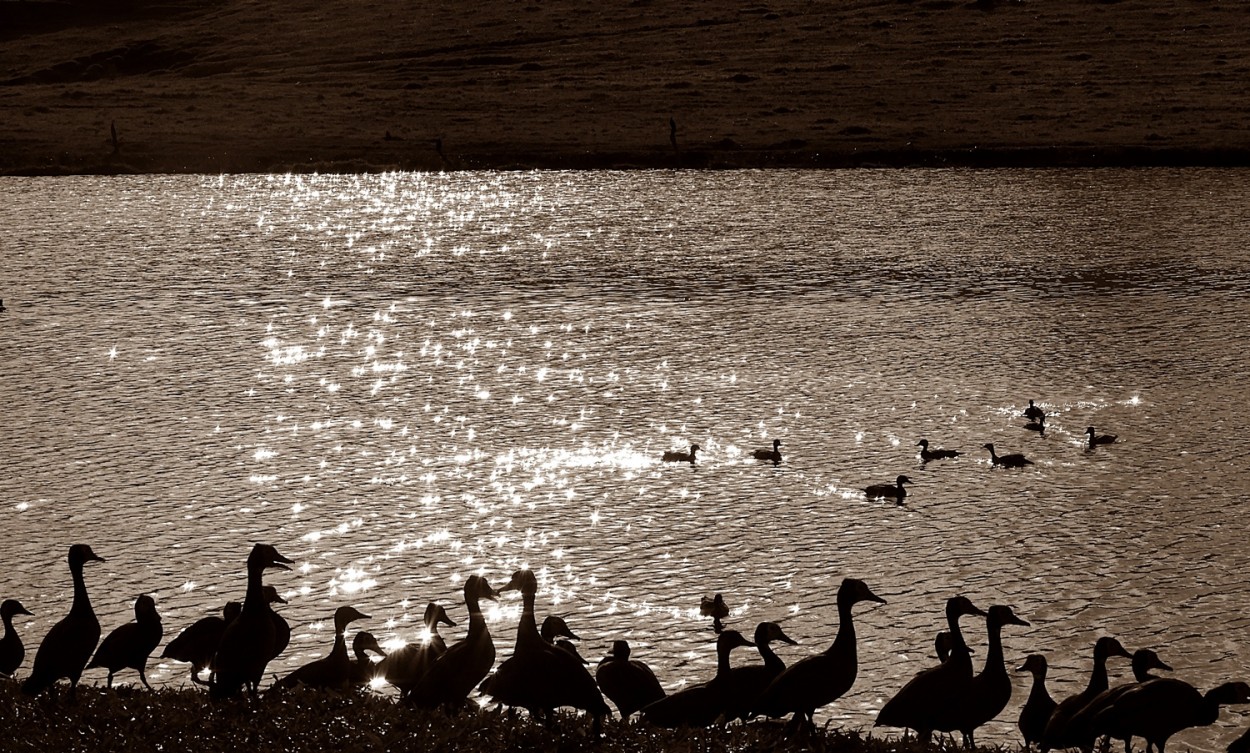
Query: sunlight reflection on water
(402, 380)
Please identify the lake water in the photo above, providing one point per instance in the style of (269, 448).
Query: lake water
(401, 380)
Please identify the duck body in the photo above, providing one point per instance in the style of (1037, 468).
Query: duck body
(699, 705)
(628, 683)
(1057, 735)
(677, 456)
(1158, 709)
(66, 649)
(198, 643)
(927, 455)
(1013, 460)
(772, 456)
(405, 666)
(819, 680)
(1096, 439)
(893, 491)
(744, 686)
(247, 644)
(12, 652)
(991, 688)
(1034, 413)
(1038, 425)
(130, 645)
(1039, 705)
(934, 700)
(333, 671)
(458, 671)
(1082, 728)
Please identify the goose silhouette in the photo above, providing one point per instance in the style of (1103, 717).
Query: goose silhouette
(129, 646)
(745, 685)
(991, 689)
(1039, 705)
(628, 683)
(698, 705)
(364, 669)
(677, 456)
(450, 678)
(893, 491)
(1158, 709)
(66, 649)
(1014, 460)
(926, 454)
(333, 671)
(405, 666)
(248, 642)
(12, 652)
(1056, 734)
(1082, 726)
(773, 456)
(198, 642)
(1096, 439)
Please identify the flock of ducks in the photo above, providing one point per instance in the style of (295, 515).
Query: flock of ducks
(545, 672)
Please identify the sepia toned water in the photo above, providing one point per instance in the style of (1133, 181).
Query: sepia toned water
(401, 380)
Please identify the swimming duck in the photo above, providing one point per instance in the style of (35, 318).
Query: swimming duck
(628, 683)
(934, 699)
(333, 671)
(247, 644)
(698, 705)
(773, 456)
(1039, 706)
(926, 454)
(67, 647)
(539, 676)
(822, 679)
(716, 608)
(1014, 460)
(677, 456)
(198, 642)
(1038, 426)
(991, 688)
(1097, 439)
(130, 645)
(1158, 709)
(404, 666)
(893, 491)
(12, 652)
(458, 671)
(364, 669)
(746, 685)
(1033, 412)
(1082, 726)
(1056, 733)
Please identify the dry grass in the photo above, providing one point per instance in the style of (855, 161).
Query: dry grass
(134, 721)
(213, 85)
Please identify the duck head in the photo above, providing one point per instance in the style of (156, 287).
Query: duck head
(477, 587)
(434, 614)
(554, 627)
(1001, 614)
(81, 554)
(344, 616)
(1107, 647)
(522, 580)
(12, 607)
(767, 632)
(272, 596)
(145, 608)
(961, 606)
(854, 590)
(1229, 693)
(1035, 663)
(265, 556)
(1145, 660)
(728, 640)
(620, 650)
(365, 641)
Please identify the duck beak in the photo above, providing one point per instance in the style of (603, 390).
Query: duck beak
(1017, 621)
(443, 618)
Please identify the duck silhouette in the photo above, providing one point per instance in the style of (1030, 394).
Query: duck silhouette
(405, 666)
(466, 663)
(1158, 709)
(893, 491)
(716, 608)
(773, 456)
(1097, 439)
(698, 705)
(628, 683)
(1039, 705)
(129, 646)
(819, 680)
(745, 685)
(1013, 460)
(1056, 734)
(934, 699)
(198, 642)
(991, 688)
(926, 454)
(247, 644)
(334, 671)
(677, 456)
(66, 649)
(1033, 412)
(1082, 726)
(12, 652)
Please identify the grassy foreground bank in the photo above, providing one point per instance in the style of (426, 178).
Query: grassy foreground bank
(136, 721)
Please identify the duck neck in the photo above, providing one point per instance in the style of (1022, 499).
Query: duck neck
(959, 649)
(771, 660)
(994, 655)
(1038, 693)
(477, 621)
(254, 600)
(527, 629)
(844, 642)
(339, 652)
(8, 627)
(81, 603)
(1098, 678)
(722, 661)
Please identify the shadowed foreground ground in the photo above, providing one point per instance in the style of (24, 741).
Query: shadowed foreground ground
(183, 720)
(241, 85)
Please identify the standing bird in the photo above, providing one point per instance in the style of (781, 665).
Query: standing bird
(1097, 439)
(281, 628)
(247, 645)
(991, 689)
(1159, 709)
(698, 705)
(130, 645)
(1082, 726)
(1056, 733)
(629, 683)
(677, 456)
(333, 671)
(746, 685)
(458, 671)
(1033, 413)
(405, 666)
(198, 642)
(893, 491)
(773, 456)
(819, 680)
(926, 454)
(1014, 460)
(1039, 706)
(67, 647)
(934, 699)
(364, 669)
(12, 652)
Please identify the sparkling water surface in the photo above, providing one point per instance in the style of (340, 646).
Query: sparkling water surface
(401, 380)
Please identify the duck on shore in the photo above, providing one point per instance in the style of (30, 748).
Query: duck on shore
(66, 649)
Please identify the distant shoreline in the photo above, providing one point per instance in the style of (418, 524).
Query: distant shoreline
(974, 158)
